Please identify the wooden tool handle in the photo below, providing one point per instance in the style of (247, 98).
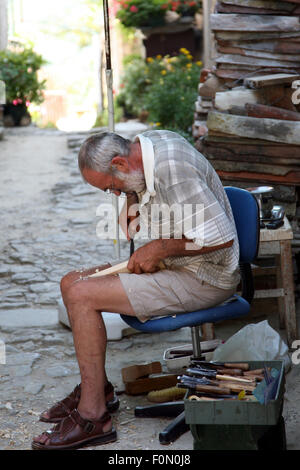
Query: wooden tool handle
(231, 378)
(231, 371)
(236, 387)
(119, 268)
(212, 389)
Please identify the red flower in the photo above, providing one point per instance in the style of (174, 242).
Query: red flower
(134, 9)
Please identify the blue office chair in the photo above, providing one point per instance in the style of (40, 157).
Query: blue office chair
(246, 215)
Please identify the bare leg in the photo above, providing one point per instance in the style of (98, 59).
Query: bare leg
(85, 300)
(73, 276)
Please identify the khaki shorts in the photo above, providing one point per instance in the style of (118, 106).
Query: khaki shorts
(168, 292)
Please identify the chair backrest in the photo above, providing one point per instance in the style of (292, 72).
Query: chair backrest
(246, 216)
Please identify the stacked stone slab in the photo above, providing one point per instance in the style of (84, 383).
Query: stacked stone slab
(253, 122)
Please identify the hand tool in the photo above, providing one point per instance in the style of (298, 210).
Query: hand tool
(229, 365)
(210, 389)
(220, 369)
(201, 371)
(232, 386)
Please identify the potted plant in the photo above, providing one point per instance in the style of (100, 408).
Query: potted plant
(141, 13)
(186, 7)
(18, 70)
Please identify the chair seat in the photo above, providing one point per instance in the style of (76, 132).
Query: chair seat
(236, 307)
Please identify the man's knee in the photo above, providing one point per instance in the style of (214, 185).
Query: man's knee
(67, 281)
(78, 292)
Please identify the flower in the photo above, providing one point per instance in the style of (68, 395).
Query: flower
(189, 65)
(150, 59)
(183, 50)
(163, 72)
(189, 56)
(17, 101)
(133, 9)
(159, 56)
(199, 63)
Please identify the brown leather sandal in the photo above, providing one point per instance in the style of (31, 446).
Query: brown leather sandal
(64, 407)
(74, 432)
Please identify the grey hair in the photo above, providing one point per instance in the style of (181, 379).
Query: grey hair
(98, 150)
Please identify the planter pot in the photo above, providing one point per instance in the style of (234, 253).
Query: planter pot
(16, 115)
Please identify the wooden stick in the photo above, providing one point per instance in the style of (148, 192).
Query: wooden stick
(234, 379)
(119, 268)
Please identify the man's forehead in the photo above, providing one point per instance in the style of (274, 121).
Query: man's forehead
(93, 175)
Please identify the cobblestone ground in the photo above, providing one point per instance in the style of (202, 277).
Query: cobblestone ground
(48, 219)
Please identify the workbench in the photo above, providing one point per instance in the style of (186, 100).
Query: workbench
(278, 242)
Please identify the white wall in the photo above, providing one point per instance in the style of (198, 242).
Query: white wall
(3, 24)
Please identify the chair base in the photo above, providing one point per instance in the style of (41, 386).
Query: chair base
(173, 409)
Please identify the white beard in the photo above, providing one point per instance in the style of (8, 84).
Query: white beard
(134, 181)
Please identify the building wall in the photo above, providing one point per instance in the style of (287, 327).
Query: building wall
(3, 24)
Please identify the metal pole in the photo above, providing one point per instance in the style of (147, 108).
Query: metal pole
(206, 9)
(111, 123)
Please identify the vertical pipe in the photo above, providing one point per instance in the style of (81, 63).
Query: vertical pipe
(111, 124)
(206, 9)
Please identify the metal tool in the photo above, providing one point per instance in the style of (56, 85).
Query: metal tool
(204, 372)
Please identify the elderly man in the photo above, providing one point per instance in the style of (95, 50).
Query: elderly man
(158, 168)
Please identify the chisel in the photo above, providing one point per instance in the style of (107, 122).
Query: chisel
(200, 372)
(227, 365)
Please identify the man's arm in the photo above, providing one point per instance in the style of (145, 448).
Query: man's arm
(146, 259)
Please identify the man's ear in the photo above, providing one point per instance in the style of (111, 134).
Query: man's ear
(120, 164)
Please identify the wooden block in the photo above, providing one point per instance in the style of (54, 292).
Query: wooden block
(261, 81)
(261, 4)
(291, 178)
(254, 36)
(263, 111)
(259, 54)
(223, 8)
(250, 166)
(271, 129)
(140, 370)
(254, 23)
(224, 154)
(208, 89)
(233, 72)
(224, 100)
(237, 59)
(149, 384)
(278, 46)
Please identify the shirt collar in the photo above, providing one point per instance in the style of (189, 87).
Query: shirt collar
(148, 164)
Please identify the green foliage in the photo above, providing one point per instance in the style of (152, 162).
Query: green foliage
(18, 70)
(151, 13)
(165, 87)
(102, 119)
(138, 13)
(134, 84)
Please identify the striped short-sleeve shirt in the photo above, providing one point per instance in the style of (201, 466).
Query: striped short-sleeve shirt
(184, 177)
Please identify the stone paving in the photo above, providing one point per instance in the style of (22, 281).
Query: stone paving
(48, 216)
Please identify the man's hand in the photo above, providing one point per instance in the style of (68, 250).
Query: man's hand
(145, 259)
(129, 216)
